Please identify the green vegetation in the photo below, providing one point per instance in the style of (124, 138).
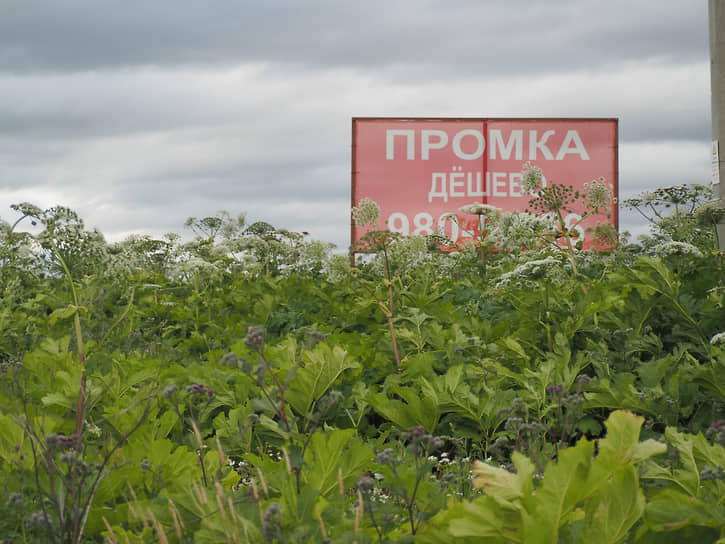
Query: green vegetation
(249, 386)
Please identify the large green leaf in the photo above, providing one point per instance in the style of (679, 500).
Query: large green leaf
(672, 509)
(333, 456)
(419, 405)
(579, 494)
(613, 511)
(322, 368)
(687, 477)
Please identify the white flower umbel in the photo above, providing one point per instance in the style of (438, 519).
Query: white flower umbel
(515, 230)
(676, 248)
(403, 254)
(599, 194)
(192, 266)
(719, 338)
(528, 271)
(531, 178)
(366, 213)
(480, 209)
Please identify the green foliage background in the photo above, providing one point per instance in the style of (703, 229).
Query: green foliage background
(243, 387)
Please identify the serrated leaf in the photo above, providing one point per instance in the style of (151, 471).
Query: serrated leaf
(270, 424)
(500, 483)
(65, 313)
(671, 509)
(648, 448)
(333, 455)
(482, 519)
(566, 484)
(57, 399)
(614, 510)
(512, 345)
(622, 438)
(323, 367)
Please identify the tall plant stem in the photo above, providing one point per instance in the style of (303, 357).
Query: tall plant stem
(392, 328)
(79, 344)
(569, 246)
(389, 313)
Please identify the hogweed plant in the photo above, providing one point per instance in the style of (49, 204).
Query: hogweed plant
(486, 215)
(56, 221)
(518, 232)
(366, 215)
(560, 201)
(671, 211)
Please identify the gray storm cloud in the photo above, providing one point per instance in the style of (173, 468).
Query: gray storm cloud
(139, 115)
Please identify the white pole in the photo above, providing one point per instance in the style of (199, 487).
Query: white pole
(716, 12)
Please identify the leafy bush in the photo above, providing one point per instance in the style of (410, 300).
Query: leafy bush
(248, 386)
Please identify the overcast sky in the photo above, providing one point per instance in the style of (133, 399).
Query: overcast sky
(141, 114)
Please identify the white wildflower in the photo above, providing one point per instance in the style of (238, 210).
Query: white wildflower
(366, 213)
(530, 270)
(676, 248)
(336, 267)
(719, 338)
(480, 209)
(531, 178)
(403, 254)
(599, 194)
(192, 266)
(515, 230)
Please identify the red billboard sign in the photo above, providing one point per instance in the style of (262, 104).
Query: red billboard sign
(419, 170)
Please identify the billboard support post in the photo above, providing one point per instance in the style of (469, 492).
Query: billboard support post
(716, 12)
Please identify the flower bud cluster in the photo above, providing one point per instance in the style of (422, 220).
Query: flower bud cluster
(314, 336)
(15, 499)
(229, 359)
(717, 431)
(255, 338)
(169, 391)
(76, 465)
(39, 520)
(518, 408)
(365, 483)
(59, 442)
(709, 473)
(198, 389)
(555, 390)
(499, 446)
(386, 457)
(270, 522)
(419, 438)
